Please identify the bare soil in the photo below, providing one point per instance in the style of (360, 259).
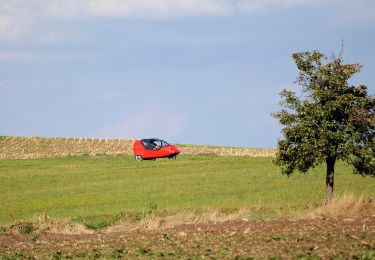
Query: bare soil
(326, 238)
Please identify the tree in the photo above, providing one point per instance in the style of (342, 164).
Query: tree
(330, 120)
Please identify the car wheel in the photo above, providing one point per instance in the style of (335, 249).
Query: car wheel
(173, 157)
(139, 158)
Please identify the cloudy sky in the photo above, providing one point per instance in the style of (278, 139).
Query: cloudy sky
(189, 71)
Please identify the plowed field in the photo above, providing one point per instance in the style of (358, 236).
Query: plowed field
(343, 238)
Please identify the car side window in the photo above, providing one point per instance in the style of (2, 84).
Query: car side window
(157, 144)
(148, 144)
(154, 144)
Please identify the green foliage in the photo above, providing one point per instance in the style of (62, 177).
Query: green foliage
(369, 255)
(144, 251)
(57, 255)
(308, 257)
(33, 238)
(26, 229)
(275, 238)
(18, 255)
(81, 254)
(330, 119)
(98, 222)
(117, 253)
(3, 230)
(153, 206)
(95, 254)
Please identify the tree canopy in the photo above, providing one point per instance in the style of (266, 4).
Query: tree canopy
(329, 119)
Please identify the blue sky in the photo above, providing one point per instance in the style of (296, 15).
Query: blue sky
(189, 71)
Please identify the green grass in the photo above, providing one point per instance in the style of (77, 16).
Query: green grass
(99, 221)
(80, 187)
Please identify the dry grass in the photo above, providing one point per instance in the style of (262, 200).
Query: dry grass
(43, 223)
(347, 205)
(228, 151)
(153, 221)
(67, 227)
(40, 147)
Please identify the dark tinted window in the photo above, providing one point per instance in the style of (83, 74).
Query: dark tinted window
(153, 144)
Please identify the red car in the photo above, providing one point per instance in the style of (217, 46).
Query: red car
(150, 149)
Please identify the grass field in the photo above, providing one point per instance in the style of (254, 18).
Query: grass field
(78, 187)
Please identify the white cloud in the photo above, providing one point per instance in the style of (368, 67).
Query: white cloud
(152, 122)
(17, 16)
(147, 8)
(256, 5)
(123, 8)
(156, 8)
(54, 37)
(17, 56)
(11, 27)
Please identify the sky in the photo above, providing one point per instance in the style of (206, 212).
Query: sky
(188, 71)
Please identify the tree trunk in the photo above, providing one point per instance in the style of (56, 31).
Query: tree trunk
(330, 160)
